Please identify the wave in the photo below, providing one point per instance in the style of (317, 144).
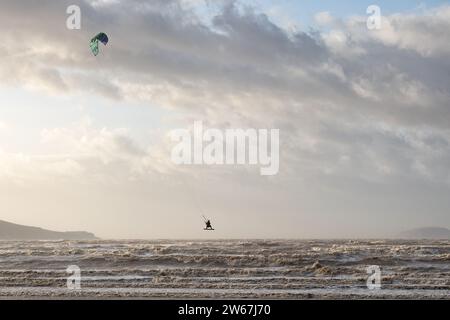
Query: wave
(262, 268)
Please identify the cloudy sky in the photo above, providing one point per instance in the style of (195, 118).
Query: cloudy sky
(364, 116)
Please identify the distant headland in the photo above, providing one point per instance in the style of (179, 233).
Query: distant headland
(426, 233)
(12, 231)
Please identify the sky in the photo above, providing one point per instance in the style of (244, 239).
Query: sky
(363, 116)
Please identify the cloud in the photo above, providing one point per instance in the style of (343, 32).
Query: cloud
(426, 34)
(324, 18)
(242, 62)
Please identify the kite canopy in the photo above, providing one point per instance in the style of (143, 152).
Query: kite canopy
(101, 37)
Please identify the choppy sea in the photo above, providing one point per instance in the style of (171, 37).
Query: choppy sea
(226, 269)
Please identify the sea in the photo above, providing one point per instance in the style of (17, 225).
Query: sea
(225, 269)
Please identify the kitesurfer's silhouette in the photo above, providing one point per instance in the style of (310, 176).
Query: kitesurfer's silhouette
(208, 224)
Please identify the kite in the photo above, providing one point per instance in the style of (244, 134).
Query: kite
(101, 37)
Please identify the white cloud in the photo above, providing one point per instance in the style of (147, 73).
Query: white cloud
(252, 66)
